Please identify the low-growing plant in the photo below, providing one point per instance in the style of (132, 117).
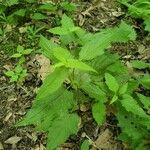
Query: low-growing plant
(12, 13)
(139, 9)
(83, 68)
(18, 74)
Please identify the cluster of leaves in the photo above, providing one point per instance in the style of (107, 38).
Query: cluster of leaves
(22, 20)
(18, 74)
(139, 9)
(30, 10)
(81, 60)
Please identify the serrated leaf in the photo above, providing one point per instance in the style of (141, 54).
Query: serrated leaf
(68, 6)
(95, 47)
(85, 145)
(99, 112)
(63, 31)
(47, 47)
(94, 91)
(123, 33)
(111, 82)
(77, 64)
(61, 129)
(20, 12)
(44, 110)
(104, 39)
(67, 22)
(59, 31)
(12, 2)
(61, 54)
(123, 89)
(129, 125)
(131, 105)
(139, 64)
(145, 81)
(52, 82)
(38, 16)
(145, 101)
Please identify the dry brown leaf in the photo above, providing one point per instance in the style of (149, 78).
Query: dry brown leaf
(42, 147)
(45, 66)
(1, 146)
(13, 140)
(104, 141)
(8, 116)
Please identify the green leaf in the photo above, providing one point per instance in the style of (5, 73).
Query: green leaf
(62, 54)
(66, 28)
(14, 78)
(38, 16)
(85, 145)
(99, 112)
(27, 51)
(145, 81)
(139, 64)
(147, 24)
(52, 82)
(9, 73)
(67, 22)
(131, 105)
(48, 7)
(76, 64)
(103, 40)
(123, 33)
(20, 49)
(20, 12)
(130, 126)
(145, 101)
(68, 6)
(59, 31)
(31, 1)
(61, 129)
(47, 47)
(18, 69)
(11, 2)
(115, 98)
(111, 82)
(45, 110)
(95, 47)
(123, 89)
(94, 91)
(17, 55)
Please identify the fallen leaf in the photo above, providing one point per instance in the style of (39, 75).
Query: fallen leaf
(104, 141)
(8, 116)
(1, 146)
(45, 66)
(13, 140)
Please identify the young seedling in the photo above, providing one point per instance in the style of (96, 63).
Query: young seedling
(18, 74)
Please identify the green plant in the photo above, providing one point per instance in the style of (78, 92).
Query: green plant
(139, 9)
(12, 13)
(18, 73)
(33, 31)
(81, 61)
